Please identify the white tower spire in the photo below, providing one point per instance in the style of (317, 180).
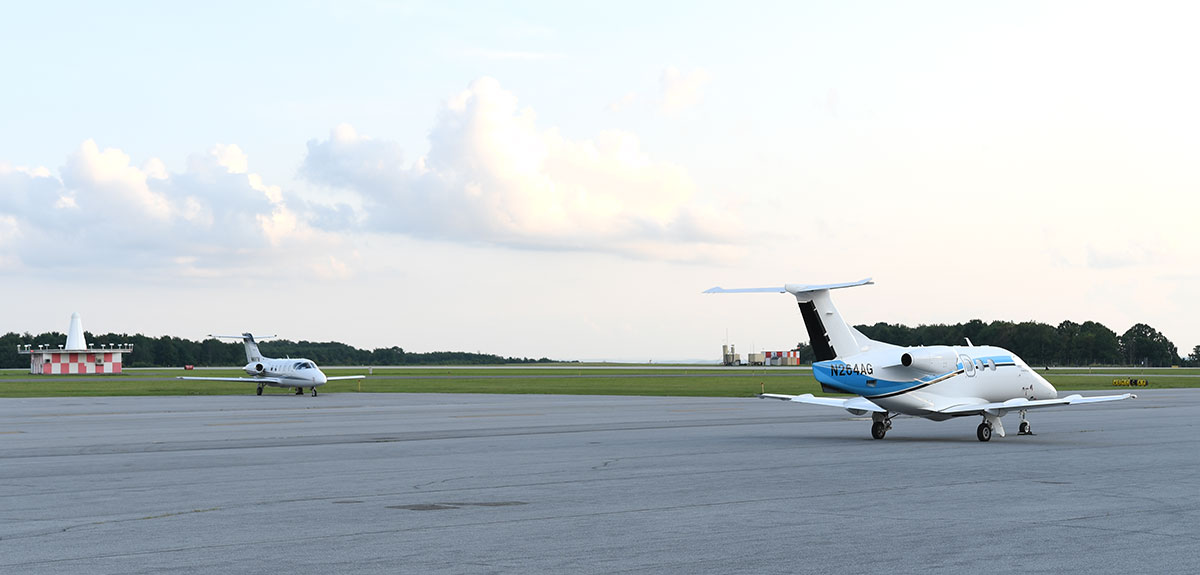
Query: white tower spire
(75, 340)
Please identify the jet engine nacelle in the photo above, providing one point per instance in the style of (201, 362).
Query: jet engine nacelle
(934, 359)
(256, 369)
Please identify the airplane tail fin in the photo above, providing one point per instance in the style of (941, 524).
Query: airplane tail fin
(828, 334)
(252, 353)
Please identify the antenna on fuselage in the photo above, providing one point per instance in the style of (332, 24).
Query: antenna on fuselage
(969, 344)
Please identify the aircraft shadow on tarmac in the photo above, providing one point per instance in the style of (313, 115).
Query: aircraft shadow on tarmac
(795, 439)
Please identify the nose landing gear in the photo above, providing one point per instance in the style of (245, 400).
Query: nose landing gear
(1023, 429)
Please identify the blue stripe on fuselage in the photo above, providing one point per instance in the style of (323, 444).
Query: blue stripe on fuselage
(868, 385)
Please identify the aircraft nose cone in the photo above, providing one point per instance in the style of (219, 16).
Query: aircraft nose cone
(319, 378)
(1046, 389)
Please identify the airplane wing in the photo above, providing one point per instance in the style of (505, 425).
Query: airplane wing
(259, 380)
(345, 377)
(1000, 408)
(855, 405)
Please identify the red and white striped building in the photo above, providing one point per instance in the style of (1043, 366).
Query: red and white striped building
(780, 354)
(61, 362)
(76, 357)
(782, 357)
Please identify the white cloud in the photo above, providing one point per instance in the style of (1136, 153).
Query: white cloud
(493, 175)
(113, 183)
(155, 169)
(230, 157)
(104, 214)
(66, 202)
(522, 56)
(681, 91)
(624, 103)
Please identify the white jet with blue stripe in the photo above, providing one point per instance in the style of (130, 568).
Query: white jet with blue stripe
(935, 382)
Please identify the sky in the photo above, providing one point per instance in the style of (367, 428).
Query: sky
(563, 180)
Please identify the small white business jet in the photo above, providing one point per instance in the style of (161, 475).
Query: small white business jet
(936, 382)
(296, 373)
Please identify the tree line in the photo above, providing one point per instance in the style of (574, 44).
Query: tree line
(167, 351)
(1039, 344)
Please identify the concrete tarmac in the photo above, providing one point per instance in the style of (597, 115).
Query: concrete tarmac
(433, 483)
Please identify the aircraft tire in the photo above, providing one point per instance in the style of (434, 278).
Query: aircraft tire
(984, 432)
(314, 391)
(1024, 429)
(299, 391)
(878, 430)
(259, 390)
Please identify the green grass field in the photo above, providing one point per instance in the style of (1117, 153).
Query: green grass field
(572, 380)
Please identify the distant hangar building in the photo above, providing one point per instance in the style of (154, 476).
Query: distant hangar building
(76, 357)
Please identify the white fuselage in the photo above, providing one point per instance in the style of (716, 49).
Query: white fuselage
(935, 378)
(289, 372)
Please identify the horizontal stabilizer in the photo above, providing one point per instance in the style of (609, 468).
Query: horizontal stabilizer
(746, 290)
(803, 288)
(791, 288)
(830, 336)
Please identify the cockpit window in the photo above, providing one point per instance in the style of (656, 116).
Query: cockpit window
(298, 365)
(305, 365)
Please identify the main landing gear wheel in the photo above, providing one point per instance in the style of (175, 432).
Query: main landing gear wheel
(1024, 429)
(299, 391)
(984, 432)
(259, 390)
(878, 429)
(314, 390)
